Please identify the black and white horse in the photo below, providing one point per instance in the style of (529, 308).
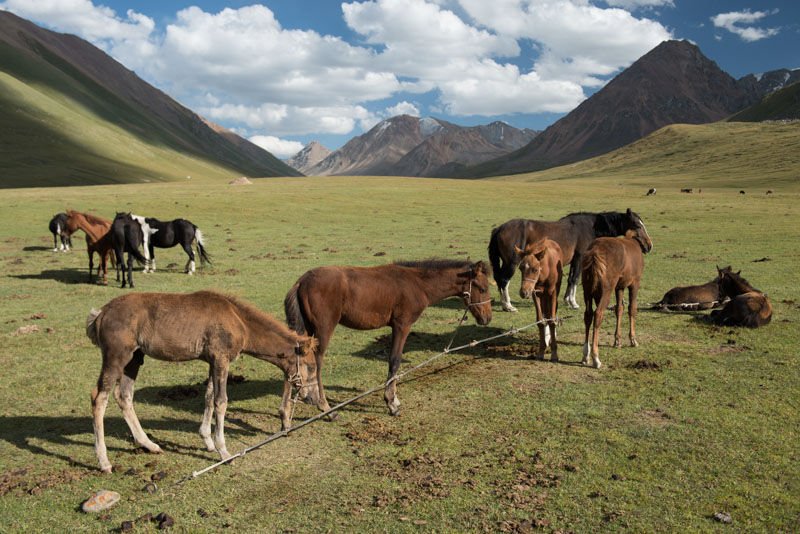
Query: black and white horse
(127, 236)
(177, 232)
(573, 233)
(58, 229)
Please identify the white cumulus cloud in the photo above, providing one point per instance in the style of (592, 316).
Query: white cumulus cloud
(280, 148)
(737, 22)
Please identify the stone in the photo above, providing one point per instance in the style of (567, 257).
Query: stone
(100, 500)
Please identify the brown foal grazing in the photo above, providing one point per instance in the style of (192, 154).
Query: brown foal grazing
(700, 297)
(98, 238)
(393, 295)
(541, 268)
(205, 325)
(611, 265)
(748, 306)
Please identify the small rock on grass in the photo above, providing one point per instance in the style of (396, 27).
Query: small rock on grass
(723, 517)
(100, 500)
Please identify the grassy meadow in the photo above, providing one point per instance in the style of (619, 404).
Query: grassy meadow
(696, 421)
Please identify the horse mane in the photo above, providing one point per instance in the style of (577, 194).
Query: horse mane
(439, 264)
(740, 280)
(94, 219)
(250, 311)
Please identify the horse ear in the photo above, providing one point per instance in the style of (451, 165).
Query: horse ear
(629, 212)
(519, 251)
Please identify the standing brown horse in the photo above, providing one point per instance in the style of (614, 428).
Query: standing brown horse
(541, 268)
(393, 295)
(748, 306)
(610, 265)
(98, 238)
(573, 233)
(205, 325)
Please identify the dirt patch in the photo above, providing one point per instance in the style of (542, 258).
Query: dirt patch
(29, 329)
(21, 481)
(655, 418)
(728, 349)
(371, 430)
(645, 365)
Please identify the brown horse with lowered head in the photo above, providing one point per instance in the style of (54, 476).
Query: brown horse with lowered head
(541, 269)
(395, 295)
(611, 265)
(748, 306)
(98, 238)
(699, 297)
(204, 326)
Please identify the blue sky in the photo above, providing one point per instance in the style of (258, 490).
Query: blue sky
(283, 73)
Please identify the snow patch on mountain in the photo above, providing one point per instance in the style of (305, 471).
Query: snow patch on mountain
(429, 126)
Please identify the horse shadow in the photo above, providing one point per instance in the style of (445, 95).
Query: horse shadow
(70, 275)
(36, 249)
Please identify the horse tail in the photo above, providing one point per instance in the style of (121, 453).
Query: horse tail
(593, 270)
(502, 274)
(293, 311)
(92, 325)
(201, 251)
(131, 238)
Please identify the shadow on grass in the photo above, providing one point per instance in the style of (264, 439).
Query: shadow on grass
(69, 275)
(36, 249)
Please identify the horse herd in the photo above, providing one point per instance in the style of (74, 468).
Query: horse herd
(604, 249)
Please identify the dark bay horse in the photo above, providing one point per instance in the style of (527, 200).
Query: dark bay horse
(573, 234)
(699, 297)
(748, 306)
(541, 269)
(58, 227)
(395, 295)
(127, 236)
(176, 232)
(98, 238)
(177, 328)
(609, 266)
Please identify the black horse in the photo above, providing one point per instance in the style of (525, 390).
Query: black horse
(573, 234)
(127, 236)
(58, 229)
(171, 233)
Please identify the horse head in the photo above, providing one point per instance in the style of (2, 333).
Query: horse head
(304, 375)
(634, 223)
(733, 283)
(530, 266)
(475, 292)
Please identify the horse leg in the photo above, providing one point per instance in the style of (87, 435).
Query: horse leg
(399, 335)
(219, 377)
(105, 383)
(55, 242)
(91, 266)
(130, 271)
(633, 290)
(323, 334)
(599, 312)
(284, 411)
(124, 397)
(550, 306)
(189, 264)
(506, 297)
(588, 315)
(618, 311)
(542, 326)
(572, 282)
(205, 426)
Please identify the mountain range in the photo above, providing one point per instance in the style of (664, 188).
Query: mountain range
(65, 100)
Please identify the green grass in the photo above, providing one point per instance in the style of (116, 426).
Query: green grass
(487, 439)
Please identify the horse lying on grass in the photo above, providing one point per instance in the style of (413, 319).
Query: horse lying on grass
(611, 265)
(540, 265)
(198, 326)
(393, 295)
(699, 297)
(748, 306)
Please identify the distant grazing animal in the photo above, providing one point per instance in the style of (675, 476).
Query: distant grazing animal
(770, 191)
(177, 328)
(98, 238)
(58, 229)
(686, 190)
(541, 269)
(699, 297)
(171, 233)
(392, 295)
(127, 236)
(741, 192)
(573, 234)
(609, 266)
(747, 307)
(651, 191)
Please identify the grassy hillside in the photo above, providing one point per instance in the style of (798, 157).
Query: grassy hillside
(749, 156)
(780, 105)
(697, 420)
(63, 126)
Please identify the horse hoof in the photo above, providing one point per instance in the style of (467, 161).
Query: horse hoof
(510, 309)
(332, 416)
